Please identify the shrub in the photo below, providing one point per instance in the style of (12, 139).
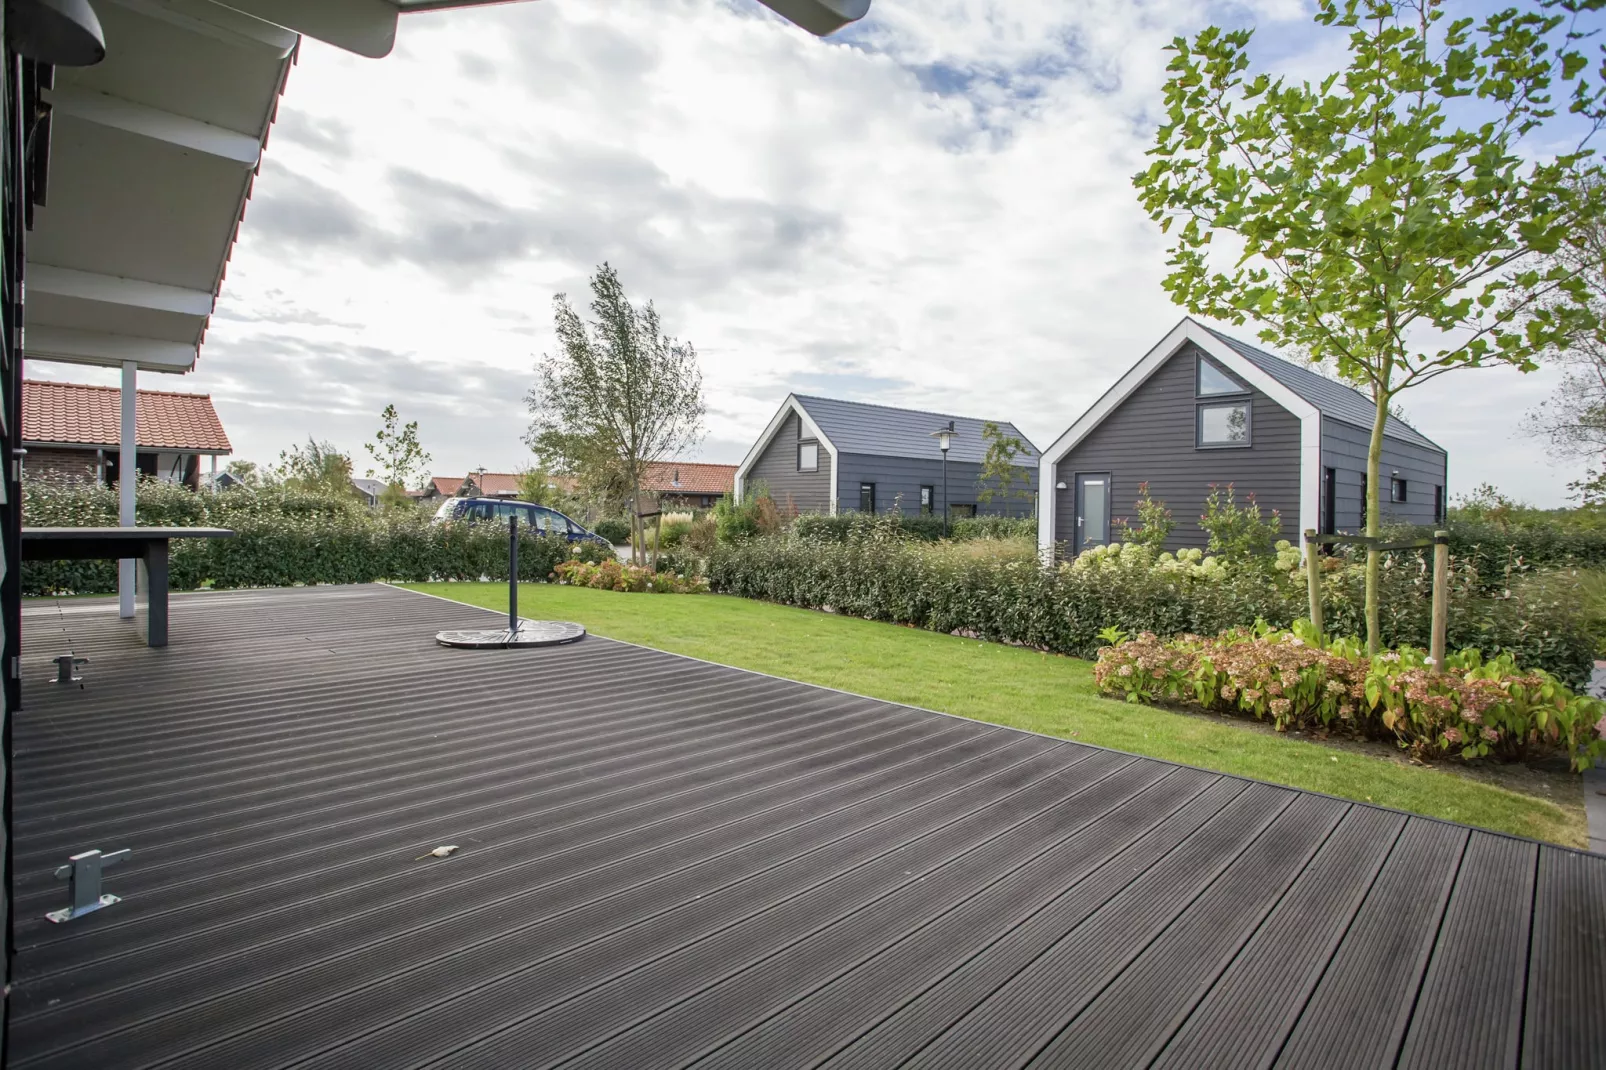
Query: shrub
(614, 575)
(992, 527)
(1009, 597)
(1155, 519)
(1237, 531)
(284, 538)
(616, 529)
(756, 515)
(1473, 708)
(843, 526)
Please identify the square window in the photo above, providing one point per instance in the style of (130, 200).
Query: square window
(1213, 381)
(808, 457)
(967, 509)
(1224, 425)
(1396, 489)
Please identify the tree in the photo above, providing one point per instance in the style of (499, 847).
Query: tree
(618, 395)
(1376, 231)
(1573, 421)
(396, 450)
(247, 472)
(998, 469)
(317, 467)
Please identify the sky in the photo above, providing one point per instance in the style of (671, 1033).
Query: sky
(931, 209)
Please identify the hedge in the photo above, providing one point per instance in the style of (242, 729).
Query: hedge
(284, 538)
(1009, 597)
(843, 526)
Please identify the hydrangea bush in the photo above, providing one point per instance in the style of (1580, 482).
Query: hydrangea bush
(1475, 707)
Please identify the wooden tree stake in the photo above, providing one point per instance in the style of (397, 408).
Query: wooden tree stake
(1441, 597)
(1313, 574)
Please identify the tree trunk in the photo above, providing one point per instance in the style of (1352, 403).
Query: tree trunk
(1374, 560)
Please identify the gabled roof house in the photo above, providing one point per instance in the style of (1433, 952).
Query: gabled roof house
(1203, 408)
(822, 455)
(71, 430)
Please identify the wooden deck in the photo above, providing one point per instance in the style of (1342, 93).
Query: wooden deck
(665, 862)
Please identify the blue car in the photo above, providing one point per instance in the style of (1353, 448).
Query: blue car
(546, 521)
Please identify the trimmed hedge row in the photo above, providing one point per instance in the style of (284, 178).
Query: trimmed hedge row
(843, 526)
(1008, 597)
(285, 538)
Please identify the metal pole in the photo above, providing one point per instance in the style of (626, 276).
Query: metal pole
(945, 494)
(1441, 598)
(513, 575)
(1313, 575)
(127, 475)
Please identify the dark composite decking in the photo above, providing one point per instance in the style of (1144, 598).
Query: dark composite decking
(665, 862)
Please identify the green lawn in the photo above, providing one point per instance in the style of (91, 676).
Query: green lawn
(1009, 686)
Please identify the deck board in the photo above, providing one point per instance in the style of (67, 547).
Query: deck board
(666, 863)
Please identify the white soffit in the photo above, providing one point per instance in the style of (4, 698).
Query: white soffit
(152, 156)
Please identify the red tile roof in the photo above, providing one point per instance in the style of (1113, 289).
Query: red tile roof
(682, 477)
(78, 414)
(497, 484)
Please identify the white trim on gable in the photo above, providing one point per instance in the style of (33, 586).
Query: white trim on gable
(1189, 330)
(789, 406)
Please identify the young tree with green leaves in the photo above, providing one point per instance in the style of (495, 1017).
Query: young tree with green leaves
(1388, 221)
(318, 466)
(396, 450)
(618, 395)
(998, 471)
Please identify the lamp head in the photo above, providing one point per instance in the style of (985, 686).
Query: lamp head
(63, 33)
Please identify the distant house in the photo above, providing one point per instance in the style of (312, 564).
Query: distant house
(72, 430)
(822, 455)
(490, 484)
(688, 485)
(1203, 408)
(369, 489)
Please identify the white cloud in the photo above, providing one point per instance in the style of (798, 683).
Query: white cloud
(933, 209)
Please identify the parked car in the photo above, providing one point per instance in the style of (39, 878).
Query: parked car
(546, 521)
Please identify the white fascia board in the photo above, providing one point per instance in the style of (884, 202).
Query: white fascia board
(788, 407)
(116, 290)
(366, 27)
(1189, 330)
(93, 347)
(219, 23)
(104, 109)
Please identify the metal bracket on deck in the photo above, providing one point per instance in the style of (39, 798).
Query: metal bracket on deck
(67, 668)
(82, 874)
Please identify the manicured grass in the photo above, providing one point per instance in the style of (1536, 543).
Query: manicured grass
(1009, 686)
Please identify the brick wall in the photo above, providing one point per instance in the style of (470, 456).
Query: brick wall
(45, 463)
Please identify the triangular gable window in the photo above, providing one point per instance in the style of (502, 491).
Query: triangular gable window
(1214, 381)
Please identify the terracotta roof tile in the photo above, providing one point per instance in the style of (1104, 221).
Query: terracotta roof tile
(682, 477)
(80, 414)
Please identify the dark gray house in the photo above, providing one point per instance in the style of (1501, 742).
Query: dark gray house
(820, 455)
(1203, 408)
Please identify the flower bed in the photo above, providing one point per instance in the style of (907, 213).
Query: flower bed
(1475, 707)
(615, 575)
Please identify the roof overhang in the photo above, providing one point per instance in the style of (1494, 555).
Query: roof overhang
(1190, 331)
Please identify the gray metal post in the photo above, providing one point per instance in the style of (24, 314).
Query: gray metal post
(513, 574)
(945, 494)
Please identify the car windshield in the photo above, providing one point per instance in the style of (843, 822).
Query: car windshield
(447, 510)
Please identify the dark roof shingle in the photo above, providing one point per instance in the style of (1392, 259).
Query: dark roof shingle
(882, 431)
(1334, 399)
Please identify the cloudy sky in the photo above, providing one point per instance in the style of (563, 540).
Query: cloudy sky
(931, 209)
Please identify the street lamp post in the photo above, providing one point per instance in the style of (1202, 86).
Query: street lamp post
(945, 439)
